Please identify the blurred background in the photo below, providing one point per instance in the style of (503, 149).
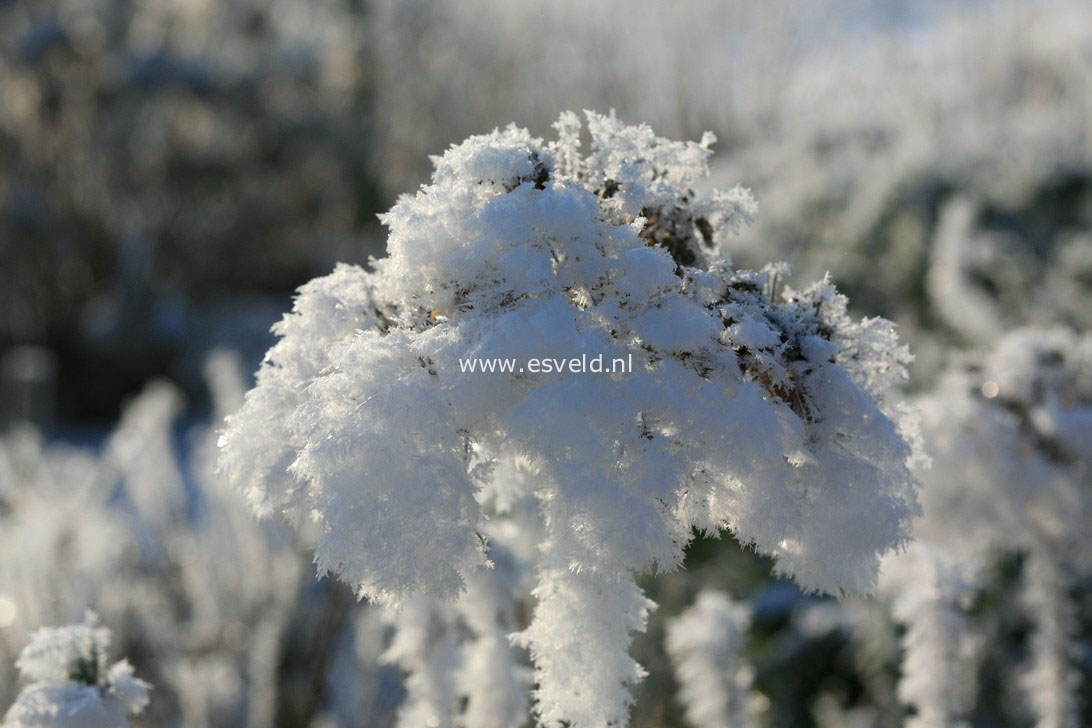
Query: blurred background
(170, 172)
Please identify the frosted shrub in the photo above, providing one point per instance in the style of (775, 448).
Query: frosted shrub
(750, 406)
(1011, 438)
(72, 684)
(706, 645)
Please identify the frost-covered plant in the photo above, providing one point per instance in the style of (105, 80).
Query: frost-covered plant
(1011, 438)
(216, 624)
(494, 684)
(72, 684)
(425, 647)
(706, 644)
(246, 602)
(141, 453)
(749, 406)
(460, 654)
(928, 590)
(61, 542)
(141, 534)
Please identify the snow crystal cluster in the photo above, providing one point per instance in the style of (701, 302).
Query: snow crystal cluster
(1011, 439)
(751, 406)
(72, 684)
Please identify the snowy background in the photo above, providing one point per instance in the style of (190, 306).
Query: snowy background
(171, 172)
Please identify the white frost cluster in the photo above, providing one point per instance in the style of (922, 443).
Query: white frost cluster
(706, 644)
(750, 406)
(71, 684)
(1011, 439)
